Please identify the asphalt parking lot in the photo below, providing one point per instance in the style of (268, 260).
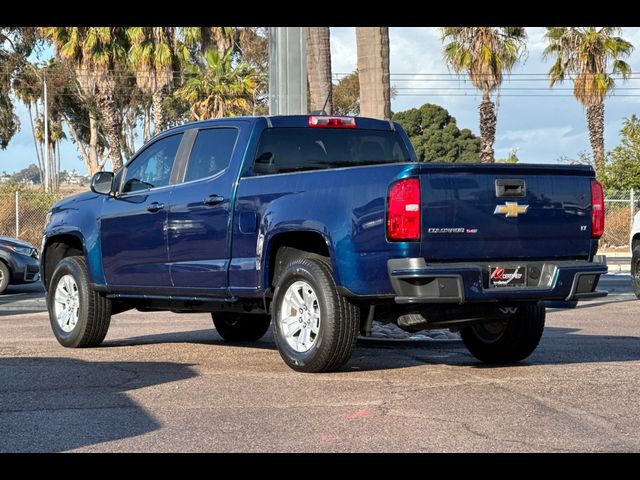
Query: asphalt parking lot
(167, 382)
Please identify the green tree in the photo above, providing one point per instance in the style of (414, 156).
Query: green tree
(486, 54)
(346, 95)
(511, 158)
(435, 136)
(254, 50)
(31, 174)
(16, 44)
(218, 88)
(622, 171)
(590, 57)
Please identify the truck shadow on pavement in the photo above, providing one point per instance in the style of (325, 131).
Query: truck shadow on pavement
(59, 404)
(559, 346)
(9, 313)
(207, 336)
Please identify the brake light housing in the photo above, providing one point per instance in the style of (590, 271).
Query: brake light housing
(403, 211)
(597, 209)
(322, 121)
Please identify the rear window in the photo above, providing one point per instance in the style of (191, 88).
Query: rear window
(294, 149)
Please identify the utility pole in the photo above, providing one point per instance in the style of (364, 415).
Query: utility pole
(46, 134)
(287, 70)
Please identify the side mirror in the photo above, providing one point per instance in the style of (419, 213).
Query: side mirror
(102, 183)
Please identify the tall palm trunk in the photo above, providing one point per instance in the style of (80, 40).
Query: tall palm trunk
(147, 123)
(373, 70)
(58, 168)
(319, 68)
(94, 164)
(158, 111)
(595, 123)
(224, 38)
(37, 145)
(488, 120)
(112, 126)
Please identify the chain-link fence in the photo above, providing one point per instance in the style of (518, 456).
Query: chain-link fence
(619, 207)
(23, 213)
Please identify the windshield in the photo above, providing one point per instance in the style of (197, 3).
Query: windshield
(294, 149)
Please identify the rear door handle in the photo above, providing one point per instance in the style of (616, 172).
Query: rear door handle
(213, 199)
(155, 207)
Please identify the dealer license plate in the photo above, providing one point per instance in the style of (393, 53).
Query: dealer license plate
(507, 276)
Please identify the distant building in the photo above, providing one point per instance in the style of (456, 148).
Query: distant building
(73, 177)
(4, 178)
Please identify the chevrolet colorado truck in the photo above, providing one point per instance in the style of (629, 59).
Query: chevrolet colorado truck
(318, 225)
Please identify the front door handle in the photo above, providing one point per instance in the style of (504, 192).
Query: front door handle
(213, 200)
(155, 207)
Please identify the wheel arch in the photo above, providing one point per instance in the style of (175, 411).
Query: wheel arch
(309, 241)
(57, 247)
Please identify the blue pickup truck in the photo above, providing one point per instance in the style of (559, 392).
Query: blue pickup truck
(317, 226)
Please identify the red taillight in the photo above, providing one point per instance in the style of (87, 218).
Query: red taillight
(332, 122)
(403, 210)
(597, 209)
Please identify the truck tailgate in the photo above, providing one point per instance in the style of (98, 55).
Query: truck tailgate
(498, 212)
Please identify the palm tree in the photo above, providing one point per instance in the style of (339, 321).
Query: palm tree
(56, 135)
(373, 68)
(486, 54)
(218, 88)
(591, 57)
(97, 55)
(28, 88)
(153, 54)
(319, 68)
(206, 38)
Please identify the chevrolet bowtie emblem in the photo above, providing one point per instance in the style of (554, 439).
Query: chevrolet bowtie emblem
(510, 209)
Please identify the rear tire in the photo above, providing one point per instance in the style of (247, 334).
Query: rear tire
(238, 327)
(79, 316)
(506, 341)
(5, 276)
(635, 271)
(315, 328)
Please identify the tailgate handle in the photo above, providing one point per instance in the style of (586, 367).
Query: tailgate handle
(511, 187)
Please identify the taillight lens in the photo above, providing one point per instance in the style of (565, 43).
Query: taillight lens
(403, 210)
(597, 209)
(332, 122)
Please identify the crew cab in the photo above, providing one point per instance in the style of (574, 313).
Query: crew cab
(317, 226)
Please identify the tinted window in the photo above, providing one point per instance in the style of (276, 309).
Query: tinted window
(152, 168)
(211, 152)
(291, 149)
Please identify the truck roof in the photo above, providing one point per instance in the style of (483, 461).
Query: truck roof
(285, 121)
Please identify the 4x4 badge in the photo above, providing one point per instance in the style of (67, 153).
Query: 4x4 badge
(510, 209)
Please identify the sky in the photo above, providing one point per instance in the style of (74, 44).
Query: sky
(542, 126)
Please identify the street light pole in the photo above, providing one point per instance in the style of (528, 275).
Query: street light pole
(46, 134)
(287, 70)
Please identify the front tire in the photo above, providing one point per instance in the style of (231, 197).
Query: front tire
(635, 271)
(5, 276)
(238, 327)
(315, 328)
(506, 341)
(79, 316)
